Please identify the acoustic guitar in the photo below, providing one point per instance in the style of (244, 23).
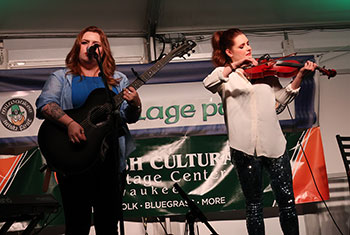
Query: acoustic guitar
(94, 116)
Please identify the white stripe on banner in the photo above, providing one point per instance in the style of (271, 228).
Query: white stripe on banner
(172, 105)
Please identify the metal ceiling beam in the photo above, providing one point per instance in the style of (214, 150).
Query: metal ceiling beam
(259, 28)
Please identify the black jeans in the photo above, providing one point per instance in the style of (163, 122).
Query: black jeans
(250, 169)
(94, 189)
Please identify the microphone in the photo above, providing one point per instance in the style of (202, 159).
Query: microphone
(91, 51)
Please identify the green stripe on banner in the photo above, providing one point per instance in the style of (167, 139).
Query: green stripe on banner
(201, 165)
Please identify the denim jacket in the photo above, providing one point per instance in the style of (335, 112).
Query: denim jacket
(58, 89)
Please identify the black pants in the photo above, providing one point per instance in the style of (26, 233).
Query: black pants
(250, 169)
(94, 189)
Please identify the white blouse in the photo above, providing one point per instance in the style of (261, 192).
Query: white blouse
(249, 111)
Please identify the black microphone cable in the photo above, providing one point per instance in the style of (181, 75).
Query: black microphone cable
(312, 175)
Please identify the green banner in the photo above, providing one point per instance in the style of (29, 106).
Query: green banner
(201, 165)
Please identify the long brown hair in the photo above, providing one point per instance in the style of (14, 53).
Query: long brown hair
(108, 64)
(221, 41)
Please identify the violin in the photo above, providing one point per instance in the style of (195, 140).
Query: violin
(280, 68)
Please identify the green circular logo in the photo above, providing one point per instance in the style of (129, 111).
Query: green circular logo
(17, 114)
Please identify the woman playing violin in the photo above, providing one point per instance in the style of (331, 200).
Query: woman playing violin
(255, 136)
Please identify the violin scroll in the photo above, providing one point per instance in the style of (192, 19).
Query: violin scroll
(329, 72)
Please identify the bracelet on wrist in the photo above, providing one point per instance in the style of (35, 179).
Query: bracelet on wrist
(69, 123)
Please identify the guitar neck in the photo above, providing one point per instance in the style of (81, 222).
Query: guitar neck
(147, 75)
(140, 80)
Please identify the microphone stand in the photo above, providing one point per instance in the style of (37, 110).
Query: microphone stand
(194, 213)
(115, 117)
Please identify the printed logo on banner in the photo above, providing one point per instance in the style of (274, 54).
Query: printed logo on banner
(17, 114)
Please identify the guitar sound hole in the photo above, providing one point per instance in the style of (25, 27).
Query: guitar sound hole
(99, 116)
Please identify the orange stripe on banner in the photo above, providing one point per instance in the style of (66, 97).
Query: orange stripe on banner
(7, 167)
(55, 177)
(303, 184)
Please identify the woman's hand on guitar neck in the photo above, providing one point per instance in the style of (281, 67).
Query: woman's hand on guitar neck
(131, 96)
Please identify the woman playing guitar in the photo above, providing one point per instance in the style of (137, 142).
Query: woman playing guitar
(62, 103)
